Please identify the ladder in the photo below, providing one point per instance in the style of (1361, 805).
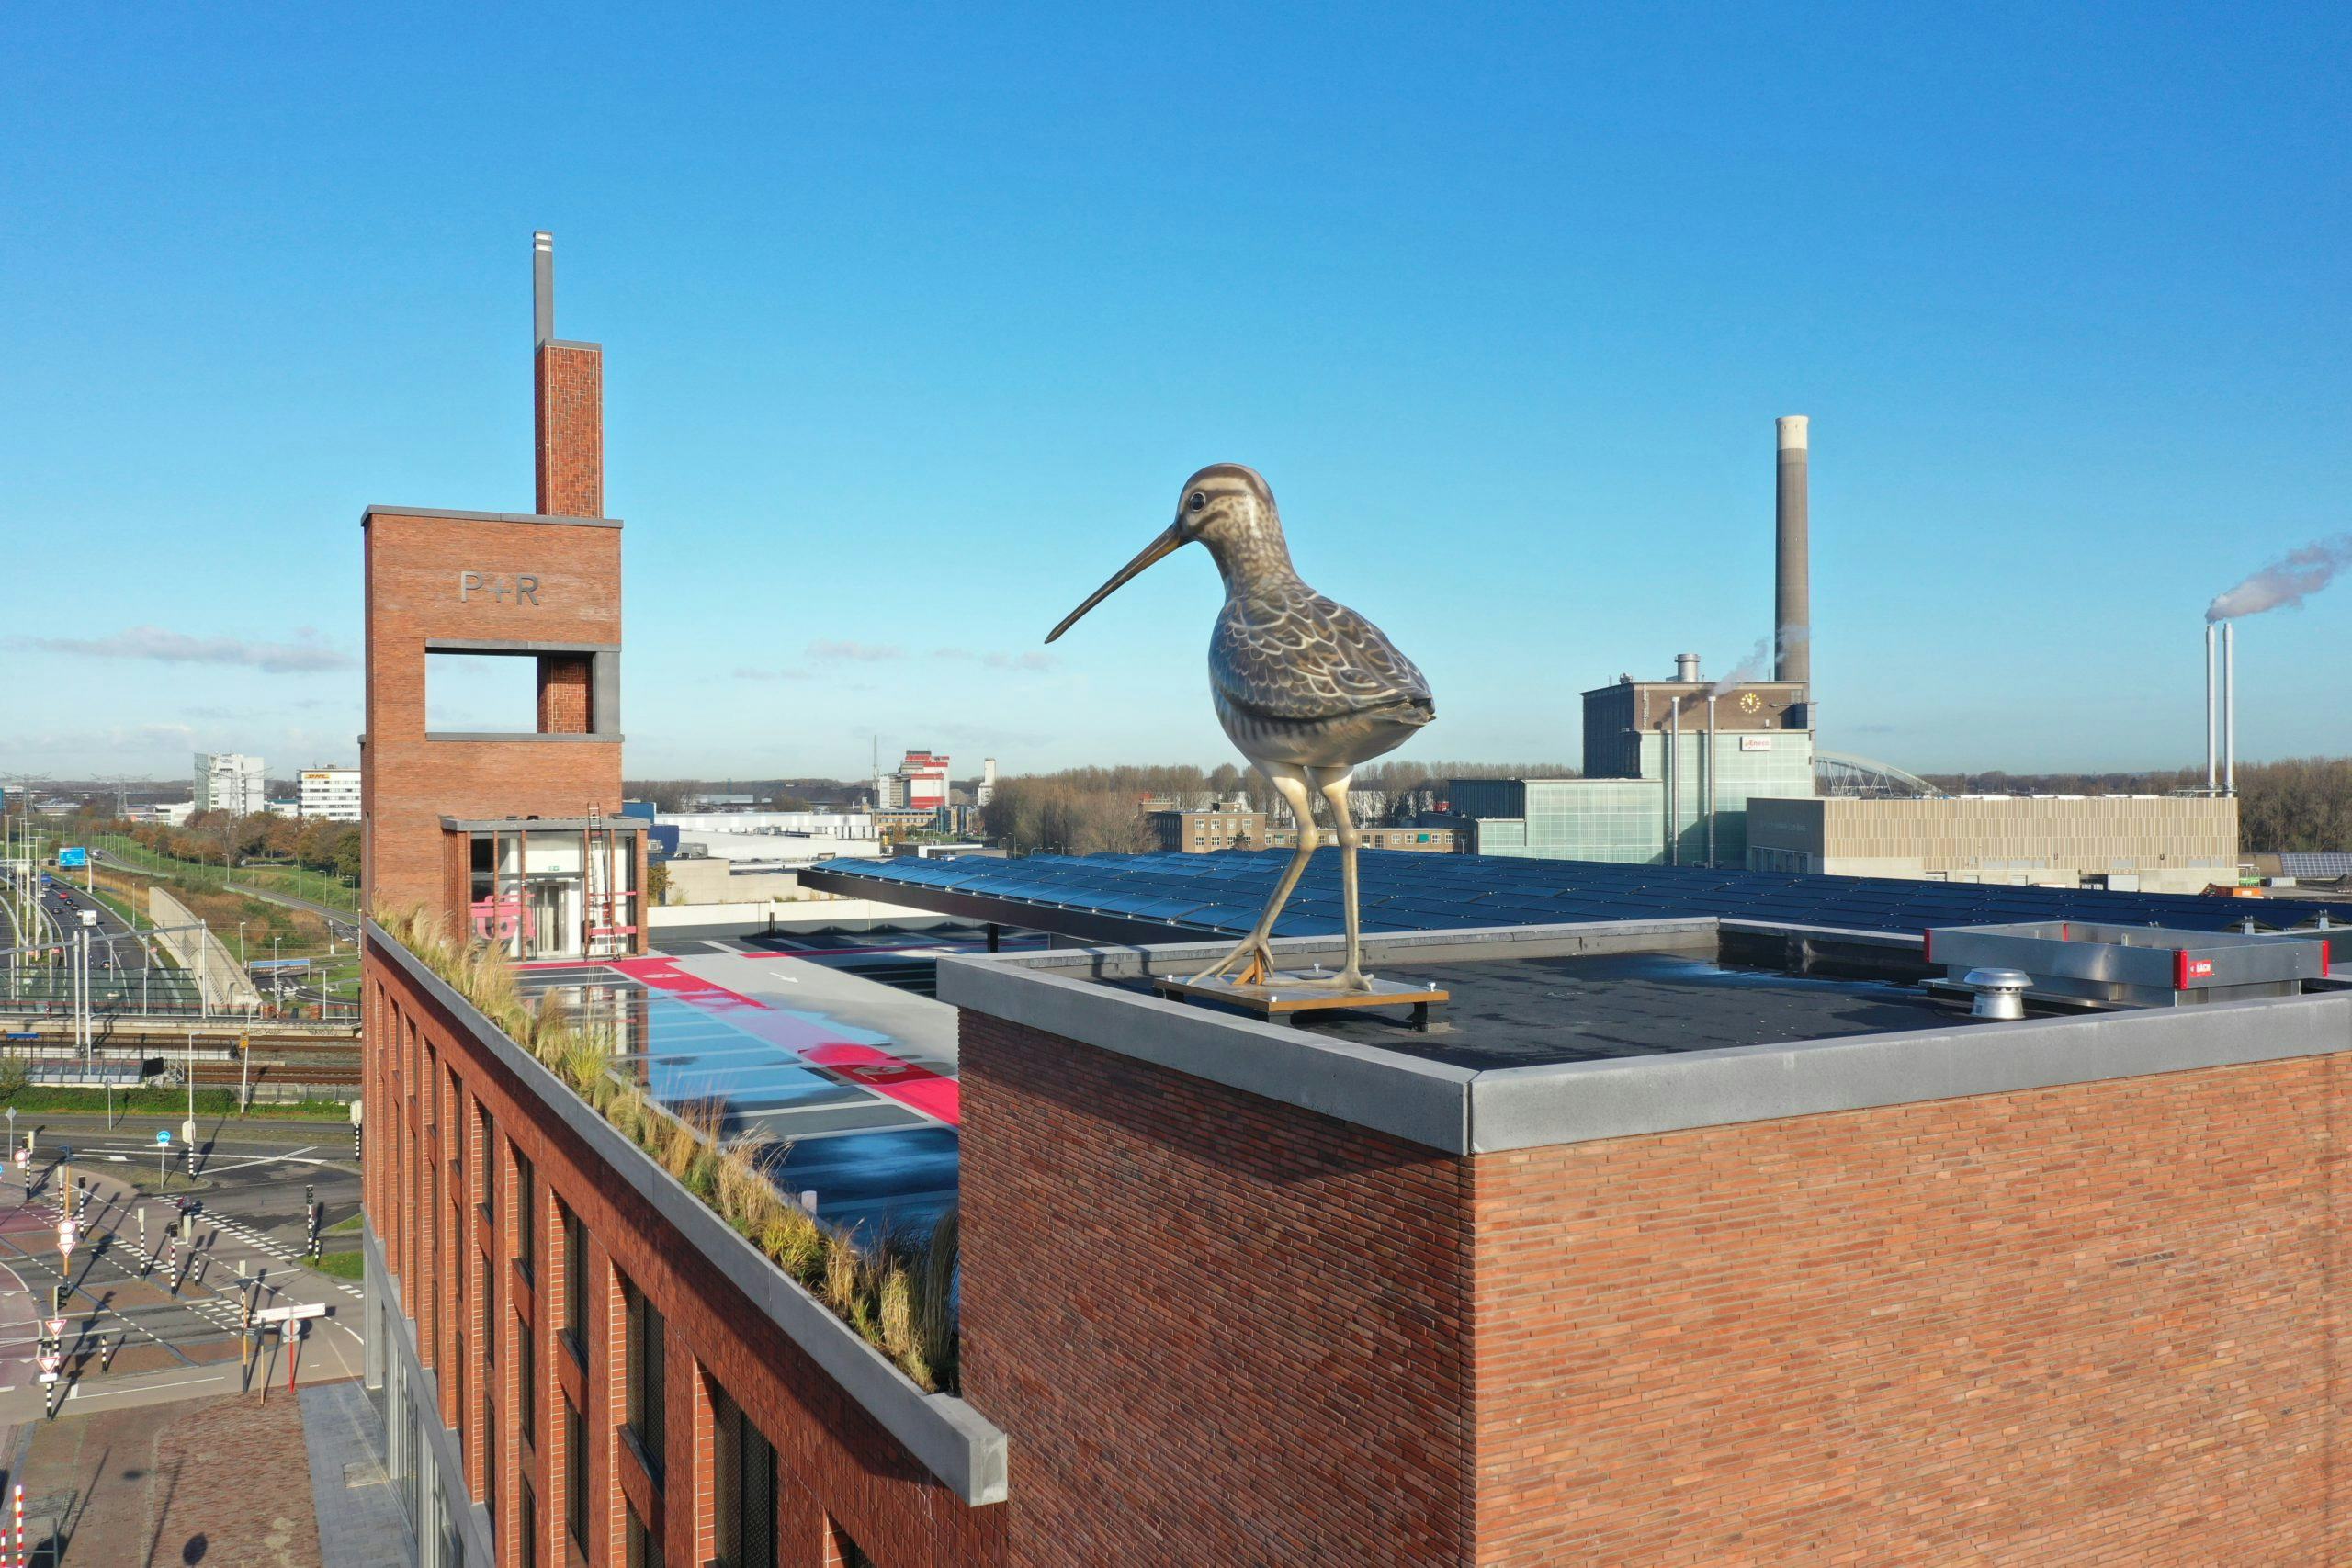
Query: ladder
(608, 934)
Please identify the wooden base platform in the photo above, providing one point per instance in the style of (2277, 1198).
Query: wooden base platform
(1285, 996)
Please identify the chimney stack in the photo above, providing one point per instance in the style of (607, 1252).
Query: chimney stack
(542, 287)
(2229, 707)
(1793, 593)
(2212, 708)
(568, 381)
(1686, 667)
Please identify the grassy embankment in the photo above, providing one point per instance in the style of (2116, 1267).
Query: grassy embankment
(270, 930)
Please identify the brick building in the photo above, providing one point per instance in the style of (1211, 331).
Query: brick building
(1692, 1240)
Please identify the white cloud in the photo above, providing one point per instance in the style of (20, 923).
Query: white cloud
(864, 652)
(1033, 660)
(306, 654)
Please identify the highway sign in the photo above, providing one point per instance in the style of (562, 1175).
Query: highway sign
(57, 1328)
(73, 856)
(66, 1235)
(163, 1134)
(290, 1310)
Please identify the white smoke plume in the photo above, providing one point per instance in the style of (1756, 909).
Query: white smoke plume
(1760, 659)
(2289, 579)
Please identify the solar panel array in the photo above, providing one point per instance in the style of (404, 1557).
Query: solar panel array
(2319, 864)
(1404, 891)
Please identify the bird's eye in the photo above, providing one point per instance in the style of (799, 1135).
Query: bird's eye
(1198, 500)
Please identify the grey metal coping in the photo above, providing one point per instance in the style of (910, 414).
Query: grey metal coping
(510, 645)
(616, 820)
(368, 514)
(529, 737)
(952, 1440)
(569, 342)
(1466, 1112)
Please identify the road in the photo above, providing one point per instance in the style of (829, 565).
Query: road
(146, 1321)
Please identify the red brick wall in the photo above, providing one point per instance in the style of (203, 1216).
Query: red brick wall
(563, 695)
(414, 594)
(570, 406)
(1216, 1330)
(832, 1460)
(2082, 1324)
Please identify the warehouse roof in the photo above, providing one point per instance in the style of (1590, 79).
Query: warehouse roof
(1161, 897)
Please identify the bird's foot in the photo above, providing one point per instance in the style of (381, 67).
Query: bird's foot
(1260, 969)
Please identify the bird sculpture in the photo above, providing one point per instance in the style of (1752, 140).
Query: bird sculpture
(1307, 688)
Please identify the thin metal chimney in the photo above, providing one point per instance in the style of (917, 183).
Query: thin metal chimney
(2229, 707)
(1686, 667)
(2213, 714)
(542, 287)
(1793, 590)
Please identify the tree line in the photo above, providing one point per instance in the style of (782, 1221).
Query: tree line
(311, 842)
(1081, 811)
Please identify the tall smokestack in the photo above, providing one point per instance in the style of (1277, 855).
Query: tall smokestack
(542, 287)
(2229, 707)
(2212, 713)
(1792, 593)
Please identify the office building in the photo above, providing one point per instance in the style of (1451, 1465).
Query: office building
(330, 793)
(229, 782)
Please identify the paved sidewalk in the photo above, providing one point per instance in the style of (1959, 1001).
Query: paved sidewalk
(216, 1481)
(360, 1522)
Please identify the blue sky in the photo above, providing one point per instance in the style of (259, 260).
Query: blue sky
(915, 324)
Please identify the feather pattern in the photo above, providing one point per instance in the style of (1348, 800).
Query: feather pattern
(1282, 651)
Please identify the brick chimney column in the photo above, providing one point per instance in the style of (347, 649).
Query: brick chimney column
(568, 383)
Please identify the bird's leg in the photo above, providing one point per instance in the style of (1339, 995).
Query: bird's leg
(1291, 783)
(1333, 782)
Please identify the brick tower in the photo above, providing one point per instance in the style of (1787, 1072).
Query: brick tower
(505, 831)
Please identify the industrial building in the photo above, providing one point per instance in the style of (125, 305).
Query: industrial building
(332, 793)
(2130, 842)
(229, 782)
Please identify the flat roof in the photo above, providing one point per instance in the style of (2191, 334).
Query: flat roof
(1578, 1032)
(1515, 1012)
(1166, 896)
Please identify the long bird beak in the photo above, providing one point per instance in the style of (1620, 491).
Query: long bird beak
(1167, 541)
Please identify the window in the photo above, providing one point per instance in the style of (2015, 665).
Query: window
(526, 1213)
(489, 1455)
(648, 1391)
(526, 1380)
(744, 1487)
(527, 1523)
(575, 1476)
(488, 1130)
(575, 1285)
(644, 1546)
(458, 1387)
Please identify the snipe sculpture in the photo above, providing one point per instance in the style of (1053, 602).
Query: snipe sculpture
(1307, 688)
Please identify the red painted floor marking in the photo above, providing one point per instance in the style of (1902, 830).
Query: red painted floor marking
(884, 1073)
(933, 1094)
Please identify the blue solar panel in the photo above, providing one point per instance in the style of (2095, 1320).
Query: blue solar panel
(1408, 892)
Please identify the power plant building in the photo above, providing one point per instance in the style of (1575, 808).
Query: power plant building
(1670, 768)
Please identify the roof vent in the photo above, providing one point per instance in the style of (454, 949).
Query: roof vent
(1686, 667)
(2000, 993)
